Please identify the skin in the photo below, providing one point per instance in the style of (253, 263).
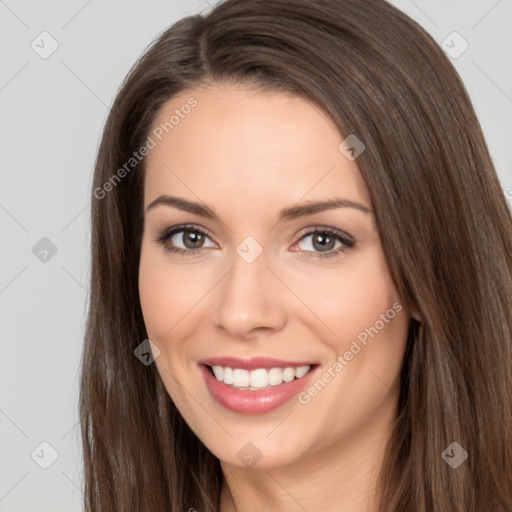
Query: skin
(248, 154)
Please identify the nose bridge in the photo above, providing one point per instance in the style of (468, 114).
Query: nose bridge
(247, 298)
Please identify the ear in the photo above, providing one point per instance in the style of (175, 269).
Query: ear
(415, 314)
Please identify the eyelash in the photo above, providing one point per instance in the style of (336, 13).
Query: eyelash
(168, 233)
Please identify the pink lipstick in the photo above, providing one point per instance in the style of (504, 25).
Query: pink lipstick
(255, 385)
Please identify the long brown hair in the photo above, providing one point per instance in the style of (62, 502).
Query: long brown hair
(445, 227)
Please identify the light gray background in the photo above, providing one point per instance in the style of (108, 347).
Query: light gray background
(52, 113)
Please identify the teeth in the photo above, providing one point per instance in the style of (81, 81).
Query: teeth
(258, 379)
(301, 371)
(240, 378)
(275, 376)
(219, 372)
(228, 375)
(288, 374)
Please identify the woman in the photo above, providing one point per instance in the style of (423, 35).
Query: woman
(294, 202)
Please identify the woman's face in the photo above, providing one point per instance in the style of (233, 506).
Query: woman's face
(264, 281)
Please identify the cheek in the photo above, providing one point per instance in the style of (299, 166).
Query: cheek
(157, 302)
(352, 299)
(167, 293)
(372, 327)
(361, 308)
(161, 297)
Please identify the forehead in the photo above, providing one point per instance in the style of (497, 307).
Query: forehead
(241, 146)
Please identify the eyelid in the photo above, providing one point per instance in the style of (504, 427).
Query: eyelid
(302, 233)
(325, 229)
(169, 232)
(345, 238)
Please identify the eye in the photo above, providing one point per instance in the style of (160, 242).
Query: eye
(324, 241)
(191, 237)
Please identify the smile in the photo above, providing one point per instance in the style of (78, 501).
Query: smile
(256, 385)
(257, 379)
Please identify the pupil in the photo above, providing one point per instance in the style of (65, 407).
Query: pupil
(194, 238)
(326, 242)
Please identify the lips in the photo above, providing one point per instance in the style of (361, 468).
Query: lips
(267, 395)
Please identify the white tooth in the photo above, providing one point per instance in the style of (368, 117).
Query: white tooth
(301, 371)
(275, 376)
(218, 372)
(288, 374)
(228, 375)
(259, 378)
(240, 378)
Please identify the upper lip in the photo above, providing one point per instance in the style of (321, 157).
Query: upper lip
(253, 363)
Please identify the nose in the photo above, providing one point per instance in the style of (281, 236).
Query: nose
(251, 301)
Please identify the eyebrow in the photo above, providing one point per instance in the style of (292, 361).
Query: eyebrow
(286, 214)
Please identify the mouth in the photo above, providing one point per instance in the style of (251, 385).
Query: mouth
(259, 378)
(255, 385)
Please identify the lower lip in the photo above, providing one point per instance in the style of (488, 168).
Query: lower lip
(253, 402)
